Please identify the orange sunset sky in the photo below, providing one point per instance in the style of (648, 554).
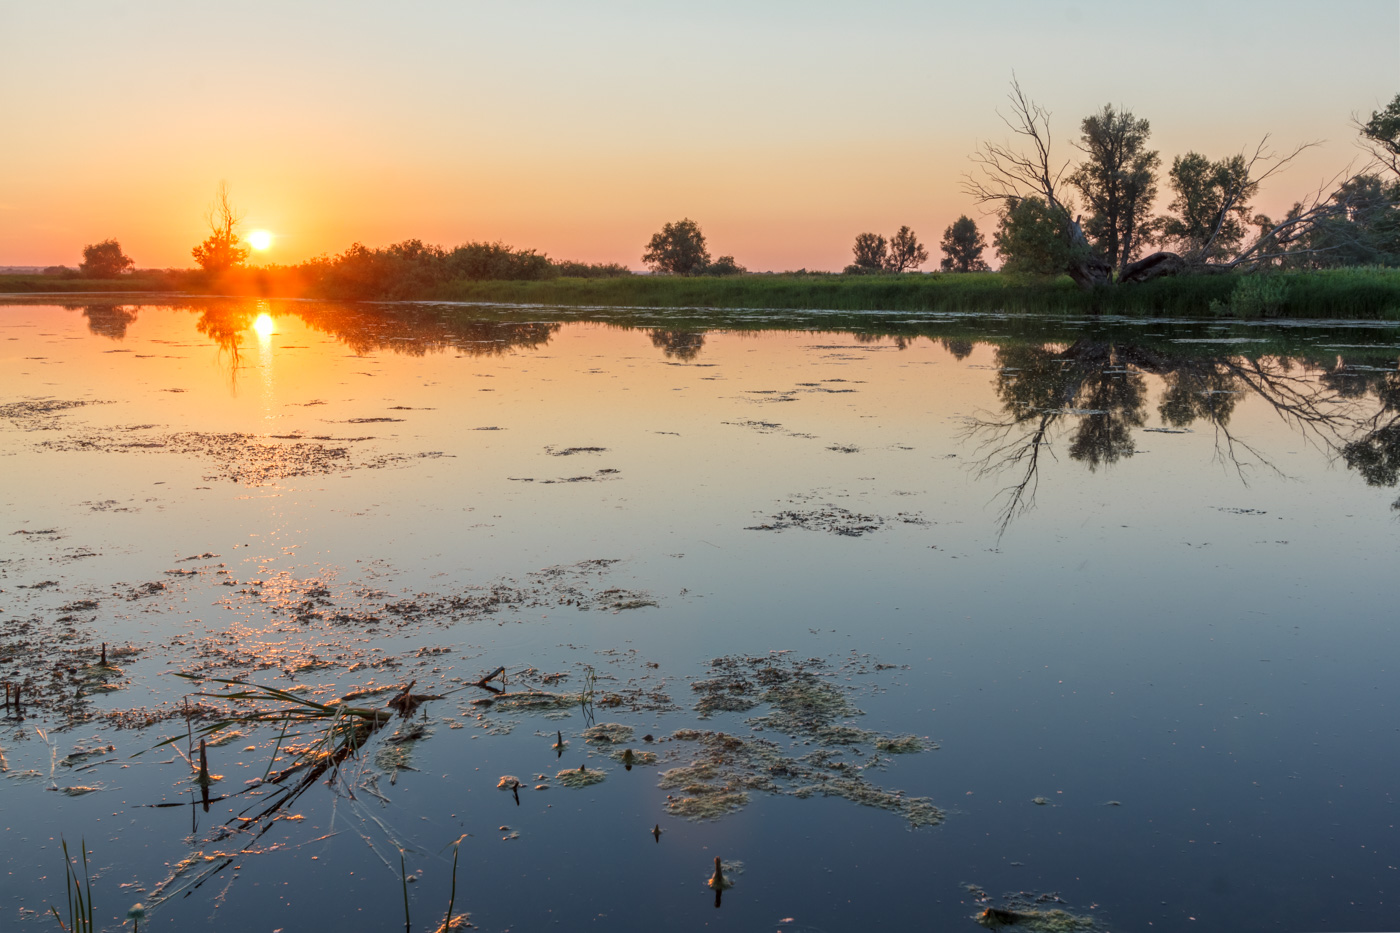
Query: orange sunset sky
(577, 128)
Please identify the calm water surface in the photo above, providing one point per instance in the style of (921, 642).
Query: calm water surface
(1129, 587)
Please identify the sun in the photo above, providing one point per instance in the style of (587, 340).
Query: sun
(264, 325)
(260, 240)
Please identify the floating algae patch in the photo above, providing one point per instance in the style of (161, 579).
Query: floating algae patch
(580, 776)
(728, 768)
(535, 701)
(607, 733)
(630, 757)
(919, 811)
(1029, 911)
(902, 744)
(802, 701)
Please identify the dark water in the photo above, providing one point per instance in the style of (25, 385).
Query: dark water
(1142, 572)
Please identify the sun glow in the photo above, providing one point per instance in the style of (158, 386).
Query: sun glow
(264, 325)
(260, 240)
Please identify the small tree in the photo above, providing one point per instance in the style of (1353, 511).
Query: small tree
(222, 250)
(105, 260)
(962, 247)
(871, 252)
(906, 252)
(1211, 208)
(1030, 238)
(725, 265)
(679, 249)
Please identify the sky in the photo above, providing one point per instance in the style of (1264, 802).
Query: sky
(577, 129)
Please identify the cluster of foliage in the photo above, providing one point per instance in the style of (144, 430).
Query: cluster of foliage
(679, 249)
(1209, 224)
(414, 269)
(874, 254)
(963, 245)
(223, 249)
(103, 260)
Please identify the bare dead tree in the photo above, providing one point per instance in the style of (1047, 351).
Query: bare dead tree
(1006, 174)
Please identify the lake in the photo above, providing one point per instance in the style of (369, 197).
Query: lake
(911, 620)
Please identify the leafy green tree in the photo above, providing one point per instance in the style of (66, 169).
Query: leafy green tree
(725, 265)
(1118, 182)
(871, 252)
(1211, 208)
(906, 252)
(678, 249)
(962, 247)
(104, 260)
(1381, 134)
(1363, 231)
(1030, 238)
(222, 250)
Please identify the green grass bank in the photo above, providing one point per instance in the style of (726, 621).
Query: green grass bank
(1357, 293)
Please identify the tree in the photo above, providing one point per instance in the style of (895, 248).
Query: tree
(1029, 186)
(871, 252)
(725, 265)
(1031, 238)
(105, 260)
(962, 247)
(679, 249)
(1118, 182)
(222, 250)
(906, 252)
(1381, 135)
(1211, 207)
(1365, 232)
(1017, 177)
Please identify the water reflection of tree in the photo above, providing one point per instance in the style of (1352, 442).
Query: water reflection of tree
(105, 320)
(684, 345)
(1375, 453)
(1097, 391)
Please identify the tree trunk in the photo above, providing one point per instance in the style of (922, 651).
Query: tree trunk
(1089, 270)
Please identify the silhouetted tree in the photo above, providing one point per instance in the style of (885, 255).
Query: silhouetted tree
(906, 252)
(678, 249)
(1211, 208)
(104, 260)
(871, 252)
(1015, 176)
(1030, 238)
(962, 247)
(1381, 135)
(1118, 181)
(725, 265)
(222, 249)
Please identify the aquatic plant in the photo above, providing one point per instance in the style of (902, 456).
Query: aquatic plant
(80, 910)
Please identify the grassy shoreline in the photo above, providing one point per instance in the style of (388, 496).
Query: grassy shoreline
(1366, 293)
